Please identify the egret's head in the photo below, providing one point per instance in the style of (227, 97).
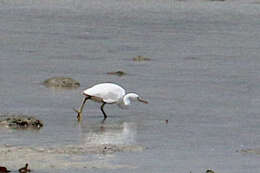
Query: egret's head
(136, 97)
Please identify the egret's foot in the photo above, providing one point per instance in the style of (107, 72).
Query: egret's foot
(79, 114)
(79, 117)
(103, 121)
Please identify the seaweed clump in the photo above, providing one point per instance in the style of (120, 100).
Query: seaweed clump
(141, 58)
(20, 121)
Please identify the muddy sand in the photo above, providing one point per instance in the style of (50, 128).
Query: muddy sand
(57, 157)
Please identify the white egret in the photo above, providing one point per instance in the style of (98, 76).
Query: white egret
(108, 93)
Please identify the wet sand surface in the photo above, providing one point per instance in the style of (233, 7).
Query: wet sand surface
(202, 77)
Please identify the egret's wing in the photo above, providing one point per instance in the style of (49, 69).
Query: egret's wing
(111, 97)
(109, 92)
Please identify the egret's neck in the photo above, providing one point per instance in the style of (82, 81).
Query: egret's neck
(126, 100)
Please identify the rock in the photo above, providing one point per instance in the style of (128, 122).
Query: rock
(3, 169)
(117, 73)
(141, 58)
(61, 82)
(209, 171)
(20, 121)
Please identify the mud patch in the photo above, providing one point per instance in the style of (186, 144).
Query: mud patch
(20, 121)
(93, 149)
(61, 82)
(65, 157)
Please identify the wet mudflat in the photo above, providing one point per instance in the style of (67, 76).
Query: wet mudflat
(202, 77)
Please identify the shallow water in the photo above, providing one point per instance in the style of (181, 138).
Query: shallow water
(203, 78)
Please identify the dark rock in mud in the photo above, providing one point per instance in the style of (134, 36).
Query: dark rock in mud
(210, 171)
(61, 82)
(20, 121)
(141, 58)
(117, 73)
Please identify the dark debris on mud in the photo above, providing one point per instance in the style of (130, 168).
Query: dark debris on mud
(117, 73)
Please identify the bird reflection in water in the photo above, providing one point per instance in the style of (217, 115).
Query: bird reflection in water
(117, 133)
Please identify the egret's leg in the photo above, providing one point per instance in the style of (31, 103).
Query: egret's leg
(102, 109)
(81, 108)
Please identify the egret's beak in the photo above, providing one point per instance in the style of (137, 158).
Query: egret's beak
(141, 100)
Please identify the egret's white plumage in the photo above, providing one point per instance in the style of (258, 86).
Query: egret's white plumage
(108, 93)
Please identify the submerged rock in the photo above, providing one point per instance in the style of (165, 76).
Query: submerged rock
(20, 121)
(61, 82)
(117, 73)
(141, 58)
